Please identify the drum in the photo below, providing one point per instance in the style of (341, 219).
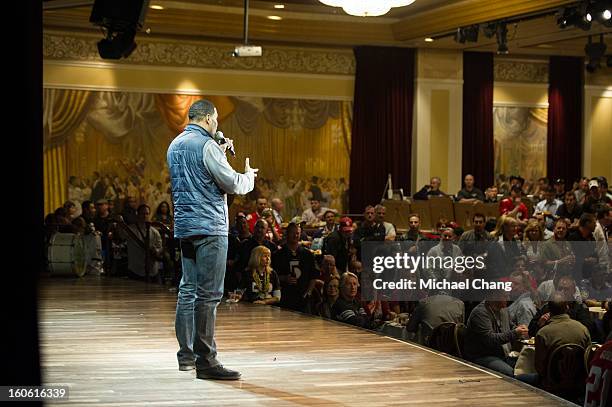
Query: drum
(66, 255)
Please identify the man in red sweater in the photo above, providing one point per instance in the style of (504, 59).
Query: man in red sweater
(513, 205)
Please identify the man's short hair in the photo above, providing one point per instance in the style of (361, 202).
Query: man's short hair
(601, 210)
(414, 215)
(141, 207)
(345, 276)
(379, 206)
(558, 304)
(199, 110)
(516, 189)
(368, 207)
(329, 211)
(570, 193)
(586, 218)
(478, 215)
(292, 226)
(559, 277)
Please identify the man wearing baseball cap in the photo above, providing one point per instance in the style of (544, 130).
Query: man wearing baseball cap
(597, 195)
(338, 243)
(559, 185)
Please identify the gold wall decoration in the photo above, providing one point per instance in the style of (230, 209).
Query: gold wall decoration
(520, 71)
(82, 47)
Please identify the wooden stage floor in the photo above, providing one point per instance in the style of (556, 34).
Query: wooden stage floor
(112, 341)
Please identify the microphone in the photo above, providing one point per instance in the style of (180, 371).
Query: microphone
(220, 138)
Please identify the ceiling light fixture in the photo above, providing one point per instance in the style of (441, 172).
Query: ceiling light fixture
(157, 7)
(429, 39)
(279, 6)
(367, 8)
(276, 18)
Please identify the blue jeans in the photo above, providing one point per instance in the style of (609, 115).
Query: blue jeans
(200, 292)
(497, 364)
(506, 366)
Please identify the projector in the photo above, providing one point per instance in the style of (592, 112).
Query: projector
(247, 51)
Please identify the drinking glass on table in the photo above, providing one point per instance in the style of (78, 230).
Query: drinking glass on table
(235, 296)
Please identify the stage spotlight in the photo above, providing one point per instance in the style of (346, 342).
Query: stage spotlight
(595, 51)
(565, 19)
(585, 17)
(502, 38)
(469, 34)
(489, 30)
(460, 35)
(602, 13)
(120, 20)
(117, 45)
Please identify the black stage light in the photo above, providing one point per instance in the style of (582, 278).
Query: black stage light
(117, 45)
(460, 35)
(502, 38)
(595, 52)
(489, 30)
(120, 20)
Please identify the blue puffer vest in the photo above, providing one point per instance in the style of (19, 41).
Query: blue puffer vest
(200, 206)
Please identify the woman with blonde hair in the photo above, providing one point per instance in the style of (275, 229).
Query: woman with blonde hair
(262, 285)
(532, 242)
(503, 255)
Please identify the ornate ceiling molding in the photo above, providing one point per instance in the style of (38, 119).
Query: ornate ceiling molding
(82, 47)
(519, 71)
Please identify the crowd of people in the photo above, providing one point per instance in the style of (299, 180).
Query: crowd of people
(555, 252)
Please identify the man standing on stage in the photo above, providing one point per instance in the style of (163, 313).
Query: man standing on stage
(201, 177)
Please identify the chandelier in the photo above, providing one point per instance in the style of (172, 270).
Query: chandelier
(367, 8)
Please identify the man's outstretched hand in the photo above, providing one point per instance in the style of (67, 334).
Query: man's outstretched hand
(247, 168)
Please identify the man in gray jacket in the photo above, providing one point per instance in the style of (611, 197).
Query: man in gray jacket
(201, 178)
(488, 331)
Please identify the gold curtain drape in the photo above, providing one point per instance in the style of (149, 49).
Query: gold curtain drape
(54, 176)
(64, 111)
(293, 152)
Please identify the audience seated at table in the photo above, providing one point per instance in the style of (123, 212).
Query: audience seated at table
(559, 330)
(577, 309)
(489, 334)
(431, 312)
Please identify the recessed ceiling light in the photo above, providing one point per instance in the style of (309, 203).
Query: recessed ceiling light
(156, 7)
(279, 6)
(429, 39)
(275, 18)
